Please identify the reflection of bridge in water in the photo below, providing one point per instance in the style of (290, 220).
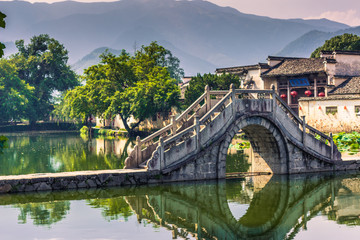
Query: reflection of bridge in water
(277, 211)
(277, 207)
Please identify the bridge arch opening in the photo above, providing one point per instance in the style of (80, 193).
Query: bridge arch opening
(269, 149)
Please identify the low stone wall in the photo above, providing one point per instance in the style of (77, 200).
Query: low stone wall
(76, 180)
(197, 170)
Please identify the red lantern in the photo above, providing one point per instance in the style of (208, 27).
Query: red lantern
(308, 93)
(322, 94)
(283, 96)
(294, 93)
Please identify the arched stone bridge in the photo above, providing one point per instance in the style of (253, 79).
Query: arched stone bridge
(194, 146)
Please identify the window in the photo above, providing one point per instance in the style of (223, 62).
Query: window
(154, 118)
(357, 109)
(331, 110)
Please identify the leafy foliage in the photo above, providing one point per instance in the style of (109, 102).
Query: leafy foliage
(216, 82)
(3, 141)
(15, 94)
(342, 42)
(43, 64)
(2, 25)
(347, 142)
(132, 86)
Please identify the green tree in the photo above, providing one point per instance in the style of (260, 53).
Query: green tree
(43, 64)
(156, 55)
(15, 94)
(132, 86)
(342, 42)
(216, 82)
(2, 25)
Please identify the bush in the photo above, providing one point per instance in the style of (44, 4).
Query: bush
(84, 130)
(3, 141)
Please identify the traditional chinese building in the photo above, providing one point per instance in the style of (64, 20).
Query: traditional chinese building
(295, 78)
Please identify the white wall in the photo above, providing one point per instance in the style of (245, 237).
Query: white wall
(344, 120)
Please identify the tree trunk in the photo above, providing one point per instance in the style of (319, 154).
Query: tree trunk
(127, 127)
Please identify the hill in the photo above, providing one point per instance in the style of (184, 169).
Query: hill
(306, 44)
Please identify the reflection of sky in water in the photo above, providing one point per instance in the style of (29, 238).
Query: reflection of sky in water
(238, 210)
(55, 163)
(321, 228)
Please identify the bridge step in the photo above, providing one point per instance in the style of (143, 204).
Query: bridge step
(143, 165)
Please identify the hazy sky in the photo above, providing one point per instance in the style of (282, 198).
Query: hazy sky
(346, 11)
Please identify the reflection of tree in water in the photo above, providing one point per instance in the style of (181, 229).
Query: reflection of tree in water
(239, 191)
(43, 213)
(56, 153)
(112, 208)
(237, 162)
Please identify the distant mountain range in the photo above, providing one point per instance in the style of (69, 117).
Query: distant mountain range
(201, 34)
(307, 43)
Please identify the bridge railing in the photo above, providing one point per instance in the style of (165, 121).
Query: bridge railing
(145, 147)
(202, 112)
(301, 123)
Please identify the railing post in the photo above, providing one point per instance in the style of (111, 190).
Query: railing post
(304, 130)
(197, 132)
(273, 95)
(138, 151)
(207, 98)
(233, 99)
(162, 159)
(332, 146)
(173, 125)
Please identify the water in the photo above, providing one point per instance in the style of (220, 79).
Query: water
(318, 206)
(265, 207)
(35, 152)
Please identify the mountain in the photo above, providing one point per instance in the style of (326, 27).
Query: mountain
(204, 35)
(307, 43)
(326, 24)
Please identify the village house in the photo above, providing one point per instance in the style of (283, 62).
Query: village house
(318, 88)
(339, 111)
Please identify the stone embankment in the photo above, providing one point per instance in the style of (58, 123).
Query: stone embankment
(100, 179)
(76, 180)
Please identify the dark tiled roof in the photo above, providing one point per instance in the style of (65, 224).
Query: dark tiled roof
(349, 86)
(334, 97)
(241, 69)
(281, 58)
(346, 52)
(330, 60)
(292, 67)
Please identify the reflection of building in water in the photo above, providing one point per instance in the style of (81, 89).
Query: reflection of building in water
(346, 209)
(112, 146)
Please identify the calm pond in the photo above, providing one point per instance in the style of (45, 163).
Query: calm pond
(318, 206)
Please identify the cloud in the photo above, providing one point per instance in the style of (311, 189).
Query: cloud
(350, 17)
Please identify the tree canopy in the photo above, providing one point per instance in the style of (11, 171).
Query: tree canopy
(43, 65)
(136, 86)
(216, 82)
(342, 42)
(15, 94)
(2, 25)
